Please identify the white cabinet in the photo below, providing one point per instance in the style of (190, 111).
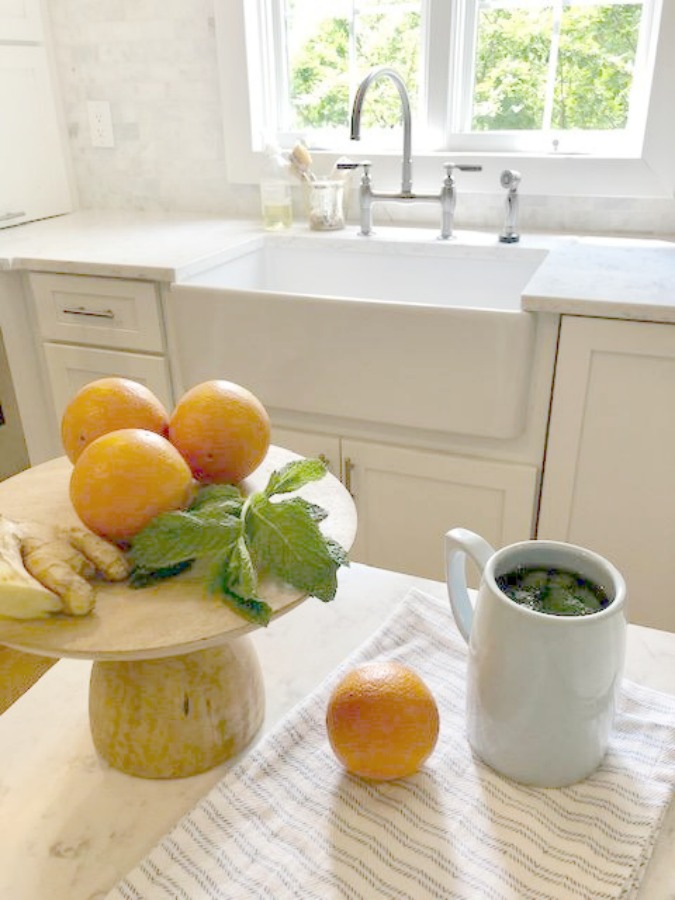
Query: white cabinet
(609, 475)
(91, 327)
(34, 176)
(20, 20)
(406, 499)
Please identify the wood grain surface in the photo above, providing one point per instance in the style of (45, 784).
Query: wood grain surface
(177, 616)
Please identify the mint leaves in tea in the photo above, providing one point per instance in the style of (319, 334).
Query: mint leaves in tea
(558, 592)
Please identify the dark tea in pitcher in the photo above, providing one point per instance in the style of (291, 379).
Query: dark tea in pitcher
(558, 592)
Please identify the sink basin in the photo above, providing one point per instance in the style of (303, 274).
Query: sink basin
(430, 273)
(409, 333)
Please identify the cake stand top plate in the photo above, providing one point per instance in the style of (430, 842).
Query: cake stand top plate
(166, 619)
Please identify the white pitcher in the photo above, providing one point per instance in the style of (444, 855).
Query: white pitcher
(541, 688)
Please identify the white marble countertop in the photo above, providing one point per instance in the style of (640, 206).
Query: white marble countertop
(611, 277)
(72, 827)
(150, 246)
(615, 277)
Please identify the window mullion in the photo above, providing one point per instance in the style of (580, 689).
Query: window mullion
(463, 62)
(435, 75)
(553, 57)
(278, 83)
(644, 57)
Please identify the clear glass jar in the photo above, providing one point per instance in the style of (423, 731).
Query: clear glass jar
(326, 204)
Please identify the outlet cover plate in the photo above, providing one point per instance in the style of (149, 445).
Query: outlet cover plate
(100, 123)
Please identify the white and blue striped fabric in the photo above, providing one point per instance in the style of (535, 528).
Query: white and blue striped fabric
(287, 822)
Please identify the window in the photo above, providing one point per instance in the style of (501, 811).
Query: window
(538, 70)
(544, 78)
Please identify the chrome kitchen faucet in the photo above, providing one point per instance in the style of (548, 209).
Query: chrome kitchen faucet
(367, 196)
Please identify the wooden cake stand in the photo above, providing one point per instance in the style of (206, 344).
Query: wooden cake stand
(176, 687)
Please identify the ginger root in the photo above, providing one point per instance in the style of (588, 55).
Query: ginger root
(21, 595)
(59, 563)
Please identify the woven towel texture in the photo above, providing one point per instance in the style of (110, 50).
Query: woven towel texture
(287, 822)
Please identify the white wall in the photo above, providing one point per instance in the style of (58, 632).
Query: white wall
(155, 61)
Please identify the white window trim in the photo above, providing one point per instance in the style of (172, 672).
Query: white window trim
(651, 173)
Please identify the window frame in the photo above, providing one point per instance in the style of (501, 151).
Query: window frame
(644, 170)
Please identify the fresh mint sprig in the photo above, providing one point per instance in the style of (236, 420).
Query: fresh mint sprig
(243, 539)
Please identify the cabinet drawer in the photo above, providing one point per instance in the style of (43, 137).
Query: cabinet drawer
(70, 368)
(107, 312)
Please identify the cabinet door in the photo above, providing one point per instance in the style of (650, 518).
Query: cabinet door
(609, 476)
(310, 444)
(33, 176)
(407, 499)
(20, 20)
(72, 367)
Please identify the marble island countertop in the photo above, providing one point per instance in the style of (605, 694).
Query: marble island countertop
(73, 827)
(582, 275)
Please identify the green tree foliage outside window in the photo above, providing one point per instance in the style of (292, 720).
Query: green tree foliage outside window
(591, 86)
(320, 72)
(595, 71)
(592, 79)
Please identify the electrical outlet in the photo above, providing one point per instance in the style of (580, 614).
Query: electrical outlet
(100, 123)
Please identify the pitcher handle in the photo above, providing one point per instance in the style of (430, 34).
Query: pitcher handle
(459, 543)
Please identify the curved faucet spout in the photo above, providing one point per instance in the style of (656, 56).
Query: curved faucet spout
(372, 76)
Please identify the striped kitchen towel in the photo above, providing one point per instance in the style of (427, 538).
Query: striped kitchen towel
(288, 822)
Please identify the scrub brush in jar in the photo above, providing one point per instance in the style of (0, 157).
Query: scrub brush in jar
(301, 162)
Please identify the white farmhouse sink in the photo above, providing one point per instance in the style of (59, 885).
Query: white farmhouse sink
(418, 334)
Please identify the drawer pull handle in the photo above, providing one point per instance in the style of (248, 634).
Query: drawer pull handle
(349, 466)
(93, 313)
(5, 217)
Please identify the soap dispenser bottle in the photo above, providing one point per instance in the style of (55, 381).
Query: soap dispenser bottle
(275, 191)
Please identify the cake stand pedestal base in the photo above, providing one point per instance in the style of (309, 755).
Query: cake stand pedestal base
(177, 716)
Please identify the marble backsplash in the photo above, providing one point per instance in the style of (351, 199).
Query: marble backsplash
(155, 61)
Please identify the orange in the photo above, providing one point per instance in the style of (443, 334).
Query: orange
(222, 430)
(106, 405)
(382, 721)
(125, 478)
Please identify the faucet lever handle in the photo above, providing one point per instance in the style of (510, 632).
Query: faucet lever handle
(463, 167)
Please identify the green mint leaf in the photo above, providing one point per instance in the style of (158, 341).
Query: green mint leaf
(337, 552)
(227, 495)
(174, 537)
(285, 542)
(314, 511)
(239, 576)
(141, 578)
(249, 608)
(294, 475)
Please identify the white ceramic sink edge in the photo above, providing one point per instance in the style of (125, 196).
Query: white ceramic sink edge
(434, 273)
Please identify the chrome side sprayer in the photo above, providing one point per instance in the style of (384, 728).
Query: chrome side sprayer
(510, 179)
